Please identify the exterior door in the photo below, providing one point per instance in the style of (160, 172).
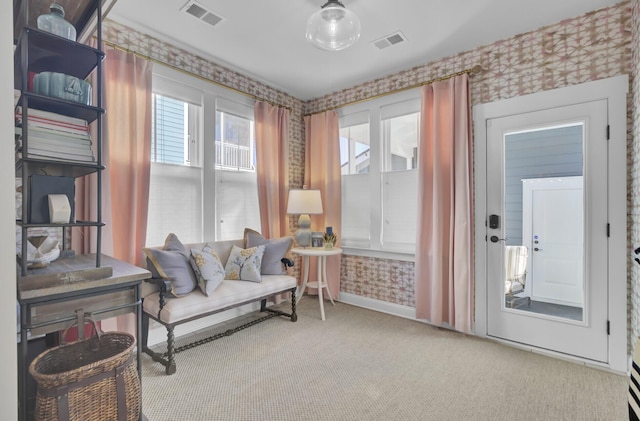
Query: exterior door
(563, 304)
(552, 225)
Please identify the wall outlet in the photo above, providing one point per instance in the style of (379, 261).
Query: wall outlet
(350, 276)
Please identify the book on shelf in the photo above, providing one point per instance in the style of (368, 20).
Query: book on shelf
(60, 152)
(57, 144)
(52, 133)
(53, 123)
(55, 140)
(54, 156)
(47, 116)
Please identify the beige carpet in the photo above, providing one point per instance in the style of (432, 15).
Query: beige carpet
(364, 365)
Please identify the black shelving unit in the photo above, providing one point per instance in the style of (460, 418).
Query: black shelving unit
(39, 51)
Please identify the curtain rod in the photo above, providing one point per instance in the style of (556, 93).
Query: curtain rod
(472, 70)
(153, 60)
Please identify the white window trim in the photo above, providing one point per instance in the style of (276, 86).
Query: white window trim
(373, 109)
(208, 95)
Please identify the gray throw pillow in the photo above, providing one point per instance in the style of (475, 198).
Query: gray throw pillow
(172, 263)
(275, 250)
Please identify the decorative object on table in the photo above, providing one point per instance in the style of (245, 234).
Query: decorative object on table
(71, 376)
(42, 250)
(40, 188)
(59, 209)
(329, 238)
(56, 24)
(317, 239)
(60, 85)
(333, 27)
(304, 202)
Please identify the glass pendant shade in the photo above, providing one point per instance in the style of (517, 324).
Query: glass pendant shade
(333, 27)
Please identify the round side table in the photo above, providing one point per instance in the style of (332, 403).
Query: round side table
(321, 253)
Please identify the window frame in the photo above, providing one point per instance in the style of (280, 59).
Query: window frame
(210, 97)
(352, 115)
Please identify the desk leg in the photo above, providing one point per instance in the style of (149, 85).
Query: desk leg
(321, 284)
(23, 371)
(305, 278)
(138, 342)
(326, 280)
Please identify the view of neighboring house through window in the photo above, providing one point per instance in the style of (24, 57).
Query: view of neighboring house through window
(203, 181)
(378, 150)
(176, 174)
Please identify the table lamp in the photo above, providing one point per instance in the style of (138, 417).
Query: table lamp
(304, 202)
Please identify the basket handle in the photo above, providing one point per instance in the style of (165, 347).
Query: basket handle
(83, 317)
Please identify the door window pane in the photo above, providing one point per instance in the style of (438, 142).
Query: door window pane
(544, 221)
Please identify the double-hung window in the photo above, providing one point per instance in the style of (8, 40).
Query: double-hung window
(203, 182)
(175, 189)
(378, 150)
(235, 170)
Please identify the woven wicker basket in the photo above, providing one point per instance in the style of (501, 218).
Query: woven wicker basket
(88, 380)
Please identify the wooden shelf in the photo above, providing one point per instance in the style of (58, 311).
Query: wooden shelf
(63, 272)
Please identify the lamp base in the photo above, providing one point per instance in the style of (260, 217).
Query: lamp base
(303, 235)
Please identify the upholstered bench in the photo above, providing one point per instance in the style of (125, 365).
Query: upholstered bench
(161, 304)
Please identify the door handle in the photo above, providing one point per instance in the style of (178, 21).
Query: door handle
(536, 249)
(495, 239)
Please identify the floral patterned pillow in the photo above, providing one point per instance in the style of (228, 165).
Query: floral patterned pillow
(208, 269)
(244, 264)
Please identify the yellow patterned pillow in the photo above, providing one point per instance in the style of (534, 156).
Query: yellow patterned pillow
(208, 269)
(244, 264)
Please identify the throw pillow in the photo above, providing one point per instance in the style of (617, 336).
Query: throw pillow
(275, 250)
(208, 269)
(244, 264)
(172, 263)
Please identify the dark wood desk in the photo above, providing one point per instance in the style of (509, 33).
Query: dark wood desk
(51, 298)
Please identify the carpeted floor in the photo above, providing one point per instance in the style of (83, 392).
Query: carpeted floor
(365, 365)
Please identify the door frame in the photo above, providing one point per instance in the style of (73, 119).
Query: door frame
(615, 90)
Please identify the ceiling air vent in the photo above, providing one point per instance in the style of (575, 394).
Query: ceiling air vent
(389, 40)
(199, 11)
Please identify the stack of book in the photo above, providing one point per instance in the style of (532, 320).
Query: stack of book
(54, 137)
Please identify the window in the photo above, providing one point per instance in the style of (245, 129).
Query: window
(378, 152)
(176, 177)
(203, 181)
(236, 179)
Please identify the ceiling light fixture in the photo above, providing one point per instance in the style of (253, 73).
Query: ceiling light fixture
(333, 27)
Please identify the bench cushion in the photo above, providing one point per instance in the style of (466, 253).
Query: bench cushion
(229, 293)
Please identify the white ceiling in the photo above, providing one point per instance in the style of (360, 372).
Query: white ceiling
(265, 39)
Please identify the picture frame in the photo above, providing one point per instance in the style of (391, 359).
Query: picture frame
(316, 239)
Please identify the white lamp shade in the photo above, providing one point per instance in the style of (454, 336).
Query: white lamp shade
(304, 202)
(333, 27)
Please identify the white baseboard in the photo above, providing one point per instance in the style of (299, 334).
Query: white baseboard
(158, 333)
(378, 305)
